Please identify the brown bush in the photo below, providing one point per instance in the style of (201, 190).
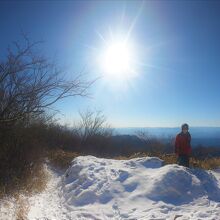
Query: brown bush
(22, 153)
(61, 159)
(32, 180)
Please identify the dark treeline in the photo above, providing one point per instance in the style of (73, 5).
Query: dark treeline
(25, 145)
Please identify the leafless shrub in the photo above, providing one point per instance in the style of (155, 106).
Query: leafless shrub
(61, 159)
(30, 84)
(153, 145)
(29, 87)
(94, 132)
(92, 124)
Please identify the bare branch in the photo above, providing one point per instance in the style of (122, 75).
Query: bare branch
(30, 84)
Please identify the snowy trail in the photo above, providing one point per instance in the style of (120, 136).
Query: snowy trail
(137, 189)
(141, 188)
(48, 205)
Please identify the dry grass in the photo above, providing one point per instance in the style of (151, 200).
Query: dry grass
(37, 180)
(168, 158)
(61, 159)
(34, 182)
(135, 155)
(22, 208)
(208, 164)
(2, 191)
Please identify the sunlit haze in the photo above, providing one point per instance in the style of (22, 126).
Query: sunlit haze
(155, 63)
(116, 60)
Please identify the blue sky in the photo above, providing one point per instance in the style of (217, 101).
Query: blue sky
(176, 50)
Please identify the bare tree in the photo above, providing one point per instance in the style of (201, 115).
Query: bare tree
(30, 84)
(92, 124)
(153, 144)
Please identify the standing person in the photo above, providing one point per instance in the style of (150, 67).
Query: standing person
(182, 146)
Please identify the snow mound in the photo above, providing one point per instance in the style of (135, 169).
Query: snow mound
(110, 187)
(177, 185)
(91, 179)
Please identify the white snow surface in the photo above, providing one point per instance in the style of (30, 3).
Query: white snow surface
(140, 188)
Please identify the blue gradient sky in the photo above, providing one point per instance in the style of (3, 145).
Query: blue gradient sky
(177, 49)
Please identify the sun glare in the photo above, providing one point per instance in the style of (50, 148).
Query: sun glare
(116, 60)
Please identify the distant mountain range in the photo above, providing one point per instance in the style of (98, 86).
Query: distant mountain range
(206, 136)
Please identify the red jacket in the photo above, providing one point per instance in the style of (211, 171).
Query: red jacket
(182, 144)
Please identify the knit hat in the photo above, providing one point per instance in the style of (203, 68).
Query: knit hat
(185, 126)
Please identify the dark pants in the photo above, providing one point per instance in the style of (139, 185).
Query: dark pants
(183, 160)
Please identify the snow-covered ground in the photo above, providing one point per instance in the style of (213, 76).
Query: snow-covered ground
(140, 188)
(8, 209)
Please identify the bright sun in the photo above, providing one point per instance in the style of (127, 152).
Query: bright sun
(116, 60)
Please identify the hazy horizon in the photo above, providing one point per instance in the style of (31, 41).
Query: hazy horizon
(205, 136)
(169, 127)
